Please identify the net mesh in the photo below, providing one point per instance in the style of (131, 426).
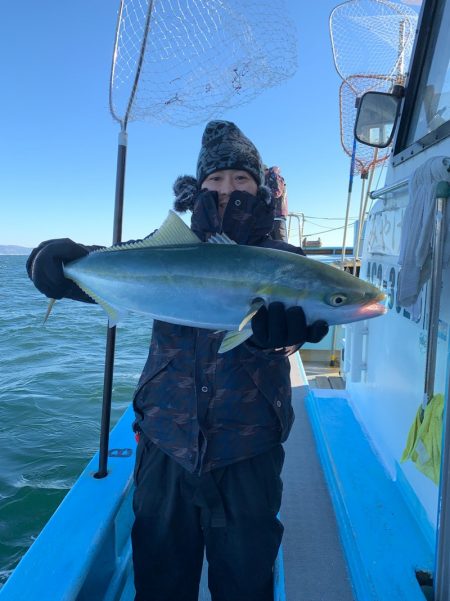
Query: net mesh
(374, 37)
(201, 57)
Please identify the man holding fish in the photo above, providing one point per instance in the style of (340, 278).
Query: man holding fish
(213, 403)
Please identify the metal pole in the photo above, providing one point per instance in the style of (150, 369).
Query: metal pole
(300, 221)
(333, 357)
(388, 189)
(435, 298)
(117, 226)
(441, 576)
(349, 197)
(111, 333)
(362, 214)
(442, 571)
(361, 218)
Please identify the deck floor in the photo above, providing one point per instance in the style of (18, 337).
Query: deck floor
(315, 567)
(321, 374)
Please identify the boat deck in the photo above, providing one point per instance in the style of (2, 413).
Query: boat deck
(322, 375)
(314, 565)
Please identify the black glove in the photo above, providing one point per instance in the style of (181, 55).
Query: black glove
(247, 218)
(275, 327)
(45, 268)
(205, 216)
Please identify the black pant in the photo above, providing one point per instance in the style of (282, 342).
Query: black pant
(230, 511)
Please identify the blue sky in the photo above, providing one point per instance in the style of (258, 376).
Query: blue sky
(59, 142)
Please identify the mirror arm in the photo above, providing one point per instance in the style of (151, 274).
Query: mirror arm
(398, 91)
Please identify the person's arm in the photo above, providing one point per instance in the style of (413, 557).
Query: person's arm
(45, 268)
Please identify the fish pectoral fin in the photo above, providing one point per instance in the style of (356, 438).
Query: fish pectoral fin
(49, 309)
(254, 308)
(233, 339)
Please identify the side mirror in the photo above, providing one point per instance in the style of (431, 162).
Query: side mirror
(377, 117)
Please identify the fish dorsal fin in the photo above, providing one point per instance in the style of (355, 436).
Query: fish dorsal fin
(220, 239)
(173, 232)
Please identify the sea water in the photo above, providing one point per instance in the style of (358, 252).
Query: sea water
(51, 381)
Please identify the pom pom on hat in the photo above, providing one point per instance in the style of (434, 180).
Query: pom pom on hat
(185, 189)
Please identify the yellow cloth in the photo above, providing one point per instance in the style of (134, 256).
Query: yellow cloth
(424, 442)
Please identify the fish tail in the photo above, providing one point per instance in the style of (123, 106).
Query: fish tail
(49, 309)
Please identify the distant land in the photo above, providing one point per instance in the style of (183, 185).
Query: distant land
(14, 250)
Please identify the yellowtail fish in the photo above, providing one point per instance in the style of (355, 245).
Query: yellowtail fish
(219, 285)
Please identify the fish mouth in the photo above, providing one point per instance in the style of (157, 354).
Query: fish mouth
(373, 308)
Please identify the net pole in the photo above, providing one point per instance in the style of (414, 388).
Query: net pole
(117, 232)
(139, 64)
(360, 222)
(349, 197)
(363, 210)
(111, 332)
(401, 58)
(113, 64)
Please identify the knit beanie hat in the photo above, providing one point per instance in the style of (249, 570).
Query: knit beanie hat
(224, 146)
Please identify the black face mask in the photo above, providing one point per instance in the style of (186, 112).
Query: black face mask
(247, 219)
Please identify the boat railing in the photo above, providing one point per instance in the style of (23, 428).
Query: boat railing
(84, 551)
(398, 185)
(300, 218)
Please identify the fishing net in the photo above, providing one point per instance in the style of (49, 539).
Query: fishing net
(350, 90)
(372, 41)
(373, 37)
(196, 58)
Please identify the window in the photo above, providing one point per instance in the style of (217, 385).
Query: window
(426, 113)
(432, 108)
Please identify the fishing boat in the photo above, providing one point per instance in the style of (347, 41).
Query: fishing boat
(366, 497)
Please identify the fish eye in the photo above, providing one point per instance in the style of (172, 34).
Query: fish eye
(338, 299)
